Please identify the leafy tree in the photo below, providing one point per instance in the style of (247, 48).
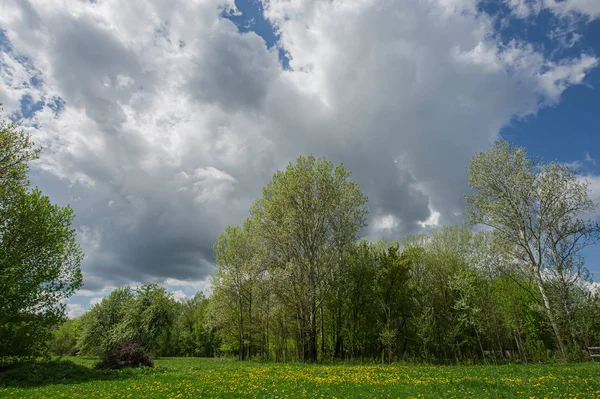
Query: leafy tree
(538, 210)
(16, 150)
(196, 336)
(149, 315)
(392, 292)
(236, 279)
(142, 316)
(64, 338)
(361, 298)
(99, 324)
(306, 216)
(39, 258)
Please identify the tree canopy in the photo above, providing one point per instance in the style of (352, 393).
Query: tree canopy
(39, 257)
(295, 281)
(540, 211)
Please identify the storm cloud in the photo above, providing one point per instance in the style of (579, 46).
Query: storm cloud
(170, 120)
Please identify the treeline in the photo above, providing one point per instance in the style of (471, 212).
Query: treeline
(148, 316)
(294, 282)
(449, 296)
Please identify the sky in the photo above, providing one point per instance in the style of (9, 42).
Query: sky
(161, 121)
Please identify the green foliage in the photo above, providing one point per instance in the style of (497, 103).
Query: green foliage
(100, 325)
(127, 315)
(287, 256)
(39, 258)
(16, 150)
(64, 338)
(191, 333)
(540, 213)
(293, 283)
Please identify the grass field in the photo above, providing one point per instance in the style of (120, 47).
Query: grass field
(214, 378)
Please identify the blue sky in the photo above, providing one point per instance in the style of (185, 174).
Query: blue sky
(160, 124)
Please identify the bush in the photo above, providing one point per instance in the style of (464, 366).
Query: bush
(127, 354)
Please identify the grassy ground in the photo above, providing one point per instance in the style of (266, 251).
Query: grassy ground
(213, 378)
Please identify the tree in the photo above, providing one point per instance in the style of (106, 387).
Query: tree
(306, 217)
(141, 316)
(539, 210)
(64, 338)
(195, 334)
(39, 257)
(148, 317)
(235, 279)
(360, 291)
(16, 150)
(393, 292)
(98, 325)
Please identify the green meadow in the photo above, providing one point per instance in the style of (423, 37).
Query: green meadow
(215, 378)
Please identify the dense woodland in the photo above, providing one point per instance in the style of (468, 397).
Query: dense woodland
(296, 282)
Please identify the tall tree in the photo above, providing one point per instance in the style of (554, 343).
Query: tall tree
(307, 216)
(235, 279)
(39, 258)
(540, 210)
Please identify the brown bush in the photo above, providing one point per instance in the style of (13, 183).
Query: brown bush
(126, 354)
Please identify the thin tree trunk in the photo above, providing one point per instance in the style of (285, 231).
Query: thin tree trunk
(241, 321)
(322, 330)
(312, 319)
(338, 333)
(249, 329)
(548, 306)
(312, 335)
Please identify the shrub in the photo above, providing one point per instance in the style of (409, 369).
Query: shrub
(126, 354)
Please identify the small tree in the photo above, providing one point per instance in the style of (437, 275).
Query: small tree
(138, 316)
(64, 338)
(539, 211)
(99, 324)
(387, 337)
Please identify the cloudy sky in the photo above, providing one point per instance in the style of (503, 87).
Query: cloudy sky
(161, 121)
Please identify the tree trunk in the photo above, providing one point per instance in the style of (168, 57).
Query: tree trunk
(405, 343)
(241, 321)
(311, 352)
(338, 332)
(312, 335)
(548, 307)
(249, 329)
(322, 330)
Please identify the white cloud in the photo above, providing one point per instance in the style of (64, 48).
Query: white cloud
(594, 187)
(74, 310)
(180, 296)
(588, 158)
(432, 220)
(95, 300)
(590, 8)
(189, 286)
(174, 120)
(587, 8)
